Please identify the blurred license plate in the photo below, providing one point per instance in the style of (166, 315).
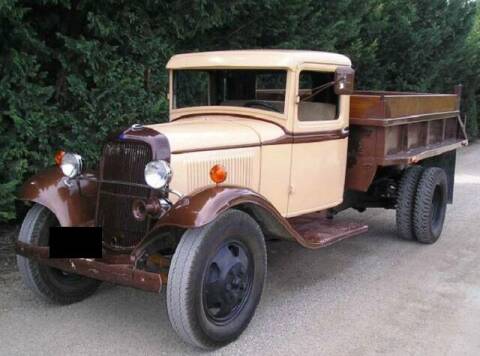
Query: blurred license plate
(75, 242)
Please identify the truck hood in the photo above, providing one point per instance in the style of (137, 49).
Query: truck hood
(212, 132)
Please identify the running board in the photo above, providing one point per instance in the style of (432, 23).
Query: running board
(318, 231)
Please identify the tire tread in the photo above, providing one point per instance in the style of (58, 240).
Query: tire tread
(421, 217)
(406, 201)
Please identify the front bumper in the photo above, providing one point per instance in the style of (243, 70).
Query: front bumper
(118, 269)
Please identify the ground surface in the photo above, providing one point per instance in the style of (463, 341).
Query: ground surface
(372, 294)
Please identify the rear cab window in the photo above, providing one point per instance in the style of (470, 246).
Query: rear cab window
(318, 101)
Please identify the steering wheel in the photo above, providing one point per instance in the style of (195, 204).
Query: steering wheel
(249, 104)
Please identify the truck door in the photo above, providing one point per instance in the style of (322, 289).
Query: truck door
(319, 150)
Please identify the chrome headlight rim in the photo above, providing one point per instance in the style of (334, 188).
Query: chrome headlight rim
(158, 174)
(71, 165)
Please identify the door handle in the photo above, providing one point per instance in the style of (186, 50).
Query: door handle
(345, 131)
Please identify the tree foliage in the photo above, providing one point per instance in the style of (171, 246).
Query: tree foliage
(71, 71)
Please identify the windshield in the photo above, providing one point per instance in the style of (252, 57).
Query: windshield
(258, 89)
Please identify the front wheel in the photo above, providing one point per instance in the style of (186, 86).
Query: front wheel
(47, 282)
(216, 280)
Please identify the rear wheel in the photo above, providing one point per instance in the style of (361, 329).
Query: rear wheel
(430, 205)
(406, 200)
(48, 282)
(216, 280)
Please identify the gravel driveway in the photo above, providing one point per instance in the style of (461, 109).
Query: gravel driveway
(373, 294)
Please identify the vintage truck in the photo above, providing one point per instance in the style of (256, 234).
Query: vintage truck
(260, 145)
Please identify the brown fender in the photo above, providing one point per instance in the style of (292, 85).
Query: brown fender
(203, 206)
(73, 206)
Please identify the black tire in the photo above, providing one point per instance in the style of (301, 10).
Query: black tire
(406, 201)
(430, 205)
(49, 283)
(196, 301)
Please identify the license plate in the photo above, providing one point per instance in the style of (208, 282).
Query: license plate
(75, 242)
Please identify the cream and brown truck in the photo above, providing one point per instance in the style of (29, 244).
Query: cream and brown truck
(259, 145)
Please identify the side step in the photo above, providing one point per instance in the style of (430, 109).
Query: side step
(318, 231)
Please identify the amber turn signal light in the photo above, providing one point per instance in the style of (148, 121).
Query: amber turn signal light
(218, 174)
(58, 157)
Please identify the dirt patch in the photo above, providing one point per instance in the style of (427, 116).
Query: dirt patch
(8, 234)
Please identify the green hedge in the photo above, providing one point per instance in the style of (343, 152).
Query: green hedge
(73, 70)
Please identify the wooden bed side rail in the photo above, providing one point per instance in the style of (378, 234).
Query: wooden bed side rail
(389, 105)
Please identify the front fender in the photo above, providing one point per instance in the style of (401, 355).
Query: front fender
(203, 206)
(73, 206)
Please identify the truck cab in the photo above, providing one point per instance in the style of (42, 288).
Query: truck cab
(276, 120)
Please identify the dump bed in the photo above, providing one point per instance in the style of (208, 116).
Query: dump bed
(395, 128)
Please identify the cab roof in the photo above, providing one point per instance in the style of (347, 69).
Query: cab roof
(259, 58)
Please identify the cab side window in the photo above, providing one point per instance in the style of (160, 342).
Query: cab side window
(318, 101)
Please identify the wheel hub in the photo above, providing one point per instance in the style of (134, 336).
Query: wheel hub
(227, 282)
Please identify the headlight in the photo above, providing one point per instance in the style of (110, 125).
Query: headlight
(158, 174)
(71, 165)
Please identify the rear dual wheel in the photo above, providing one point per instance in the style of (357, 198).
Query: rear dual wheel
(422, 204)
(430, 205)
(216, 280)
(407, 192)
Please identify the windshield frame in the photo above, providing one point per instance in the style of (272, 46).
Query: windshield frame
(176, 113)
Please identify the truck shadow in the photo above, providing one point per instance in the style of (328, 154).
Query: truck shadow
(292, 267)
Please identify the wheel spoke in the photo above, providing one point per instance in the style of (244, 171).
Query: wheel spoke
(226, 307)
(224, 261)
(214, 293)
(242, 258)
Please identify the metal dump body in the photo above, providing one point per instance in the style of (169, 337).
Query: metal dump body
(395, 128)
